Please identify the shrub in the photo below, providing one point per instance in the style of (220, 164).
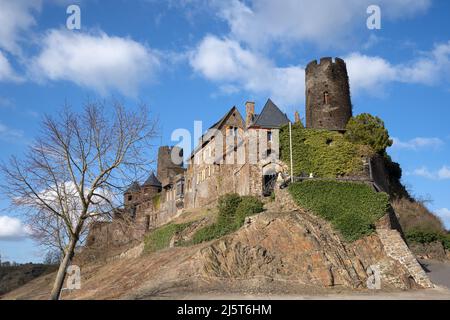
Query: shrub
(422, 236)
(247, 207)
(160, 237)
(227, 206)
(446, 241)
(233, 210)
(210, 232)
(324, 153)
(352, 208)
(428, 236)
(368, 130)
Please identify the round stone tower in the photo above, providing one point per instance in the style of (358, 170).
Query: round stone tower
(328, 104)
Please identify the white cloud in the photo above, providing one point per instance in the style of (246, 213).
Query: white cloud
(232, 65)
(227, 62)
(16, 18)
(322, 22)
(237, 60)
(444, 214)
(371, 74)
(423, 172)
(6, 71)
(12, 229)
(441, 174)
(417, 143)
(444, 173)
(8, 134)
(96, 61)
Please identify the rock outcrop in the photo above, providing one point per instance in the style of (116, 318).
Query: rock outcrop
(273, 253)
(301, 248)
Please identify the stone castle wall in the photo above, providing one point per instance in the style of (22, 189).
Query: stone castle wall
(328, 104)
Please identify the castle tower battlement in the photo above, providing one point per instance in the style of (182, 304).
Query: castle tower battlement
(327, 92)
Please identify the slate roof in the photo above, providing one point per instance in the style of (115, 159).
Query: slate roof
(152, 181)
(133, 187)
(270, 117)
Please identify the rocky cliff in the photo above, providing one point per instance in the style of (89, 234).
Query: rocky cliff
(273, 252)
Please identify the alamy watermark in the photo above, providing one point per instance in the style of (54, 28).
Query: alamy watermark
(234, 145)
(73, 281)
(373, 22)
(73, 21)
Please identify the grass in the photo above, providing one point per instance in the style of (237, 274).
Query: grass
(160, 238)
(352, 208)
(233, 209)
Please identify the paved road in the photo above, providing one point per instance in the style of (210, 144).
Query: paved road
(439, 272)
(424, 294)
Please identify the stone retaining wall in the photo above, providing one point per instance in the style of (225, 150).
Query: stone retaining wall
(396, 248)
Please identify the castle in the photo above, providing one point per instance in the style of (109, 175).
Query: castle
(235, 155)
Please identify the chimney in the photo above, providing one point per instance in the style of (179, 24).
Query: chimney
(250, 111)
(297, 117)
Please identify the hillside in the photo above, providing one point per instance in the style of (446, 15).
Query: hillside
(330, 154)
(315, 237)
(424, 231)
(273, 253)
(16, 276)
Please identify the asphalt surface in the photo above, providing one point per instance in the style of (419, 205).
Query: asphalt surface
(439, 272)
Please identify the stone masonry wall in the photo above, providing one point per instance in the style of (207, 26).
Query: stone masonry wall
(328, 104)
(396, 248)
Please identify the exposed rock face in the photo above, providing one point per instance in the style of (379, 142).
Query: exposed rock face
(434, 251)
(300, 248)
(276, 253)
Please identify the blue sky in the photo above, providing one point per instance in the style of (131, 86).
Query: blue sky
(194, 59)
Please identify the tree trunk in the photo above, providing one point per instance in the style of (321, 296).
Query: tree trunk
(61, 275)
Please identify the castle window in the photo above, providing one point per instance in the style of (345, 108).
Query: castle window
(269, 136)
(147, 223)
(233, 131)
(326, 97)
(130, 198)
(269, 152)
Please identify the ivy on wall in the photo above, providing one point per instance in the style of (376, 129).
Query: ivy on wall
(324, 153)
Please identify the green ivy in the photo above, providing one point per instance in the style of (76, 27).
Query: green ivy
(321, 152)
(156, 200)
(352, 208)
(233, 209)
(160, 238)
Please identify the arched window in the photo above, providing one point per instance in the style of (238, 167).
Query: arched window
(326, 97)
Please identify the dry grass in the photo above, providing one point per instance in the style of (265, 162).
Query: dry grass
(415, 216)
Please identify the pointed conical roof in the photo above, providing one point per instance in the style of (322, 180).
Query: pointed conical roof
(133, 187)
(270, 117)
(152, 181)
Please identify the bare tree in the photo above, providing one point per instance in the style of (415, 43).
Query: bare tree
(76, 170)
